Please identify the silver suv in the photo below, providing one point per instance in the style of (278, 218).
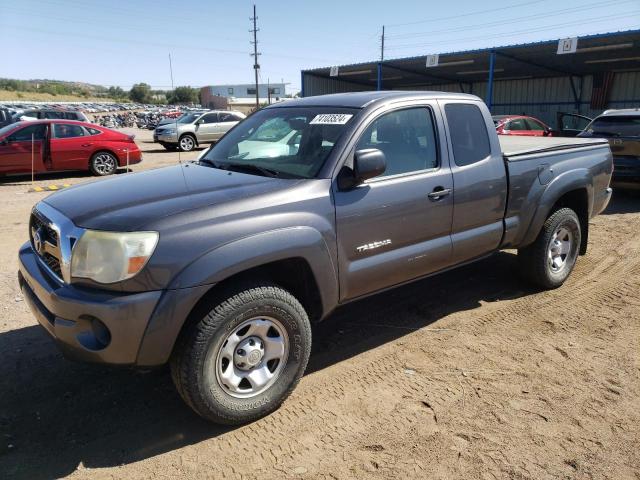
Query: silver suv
(192, 129)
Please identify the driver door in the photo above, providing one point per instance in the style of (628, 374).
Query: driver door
(395, 227)
(22, 147)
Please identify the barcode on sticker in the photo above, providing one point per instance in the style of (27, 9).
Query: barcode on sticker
(331, 119)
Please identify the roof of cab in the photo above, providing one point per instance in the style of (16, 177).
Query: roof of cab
(364, 99)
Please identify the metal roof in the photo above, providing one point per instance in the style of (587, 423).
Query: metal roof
(615, 51)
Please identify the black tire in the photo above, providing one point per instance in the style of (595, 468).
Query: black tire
(194, 363)
(170, 147)
(536, 260)
(103, 164)
(187, 142)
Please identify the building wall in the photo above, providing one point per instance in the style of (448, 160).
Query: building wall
(247, 90)
(539, 97)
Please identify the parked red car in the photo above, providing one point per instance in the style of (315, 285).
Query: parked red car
(64, 145)
(521, 125)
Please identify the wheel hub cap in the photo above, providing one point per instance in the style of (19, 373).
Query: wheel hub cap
(249, 353)
(559, 249)
(252, 357)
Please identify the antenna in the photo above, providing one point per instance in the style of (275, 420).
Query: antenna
(255, 54)
(173, 88)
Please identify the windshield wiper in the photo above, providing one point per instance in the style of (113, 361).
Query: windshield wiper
(250, 167)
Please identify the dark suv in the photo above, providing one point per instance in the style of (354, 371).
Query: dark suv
(622, 129)
(5, 117)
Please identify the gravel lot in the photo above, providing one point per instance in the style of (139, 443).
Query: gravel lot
(471, 374)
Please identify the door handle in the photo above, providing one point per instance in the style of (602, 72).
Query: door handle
(86, 144)
(438, 193)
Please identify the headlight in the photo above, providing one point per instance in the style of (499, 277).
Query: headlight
(109, 257)
(169, 131)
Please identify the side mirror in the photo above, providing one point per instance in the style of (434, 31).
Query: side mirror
(367, 163)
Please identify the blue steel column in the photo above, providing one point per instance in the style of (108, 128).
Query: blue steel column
(492, 61)
(302, 84)
(379, 76)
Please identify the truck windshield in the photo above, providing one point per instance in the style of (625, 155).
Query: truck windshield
(610, 126)
(289, 142)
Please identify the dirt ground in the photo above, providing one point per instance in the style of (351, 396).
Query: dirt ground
(471, 374)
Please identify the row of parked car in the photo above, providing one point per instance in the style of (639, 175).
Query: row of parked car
(102, 150)
(620, 127)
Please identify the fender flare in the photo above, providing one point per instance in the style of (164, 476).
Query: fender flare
(575, 179)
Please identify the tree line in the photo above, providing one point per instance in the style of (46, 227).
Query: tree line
(139, 93)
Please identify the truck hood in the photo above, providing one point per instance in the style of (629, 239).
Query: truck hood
(128, 202)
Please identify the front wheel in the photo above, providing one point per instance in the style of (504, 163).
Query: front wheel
(549, 260)
(103, 163)
(187, 143)
(244, 357)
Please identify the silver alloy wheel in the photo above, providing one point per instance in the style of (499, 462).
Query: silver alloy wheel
(104, 163)
(559, 249)
(251, 357)
(187, 143)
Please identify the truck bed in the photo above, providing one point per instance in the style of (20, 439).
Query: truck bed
(514, 146)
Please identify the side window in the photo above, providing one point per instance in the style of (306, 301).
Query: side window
(210, 118)
(468, 132)
(92, 131)
(24, 134)
(407, 139)
(533, 125)
(62, 130)
(228, 117)
(54, 115)
(517, 124)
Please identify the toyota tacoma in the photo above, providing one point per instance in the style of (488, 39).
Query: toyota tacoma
(219, 267)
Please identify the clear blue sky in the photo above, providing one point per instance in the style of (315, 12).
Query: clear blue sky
(122, 42)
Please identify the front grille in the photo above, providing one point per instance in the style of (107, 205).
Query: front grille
(53, 263)
(38, 222)
(49, 254)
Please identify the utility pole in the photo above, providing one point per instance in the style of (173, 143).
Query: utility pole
(382, 45)
(256, 65)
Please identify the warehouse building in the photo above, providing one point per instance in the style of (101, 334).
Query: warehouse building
(584, 75)
(241, 97)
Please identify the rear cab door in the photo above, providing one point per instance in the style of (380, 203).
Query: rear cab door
(390, 229)
(70, 146)
(479, 180)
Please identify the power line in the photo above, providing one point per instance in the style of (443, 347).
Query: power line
(477, 12)
(590, 6)
(518, 32)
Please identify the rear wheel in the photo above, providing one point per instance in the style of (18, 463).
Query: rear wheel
(187, 143)
(549, 260)
(103, 163)
(244, 357)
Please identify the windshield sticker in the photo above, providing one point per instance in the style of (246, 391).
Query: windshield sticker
(331, 119)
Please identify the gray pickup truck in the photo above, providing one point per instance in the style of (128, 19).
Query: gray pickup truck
(220, 267)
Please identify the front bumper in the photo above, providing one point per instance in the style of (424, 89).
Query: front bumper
(165, 138)
(104, 327)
